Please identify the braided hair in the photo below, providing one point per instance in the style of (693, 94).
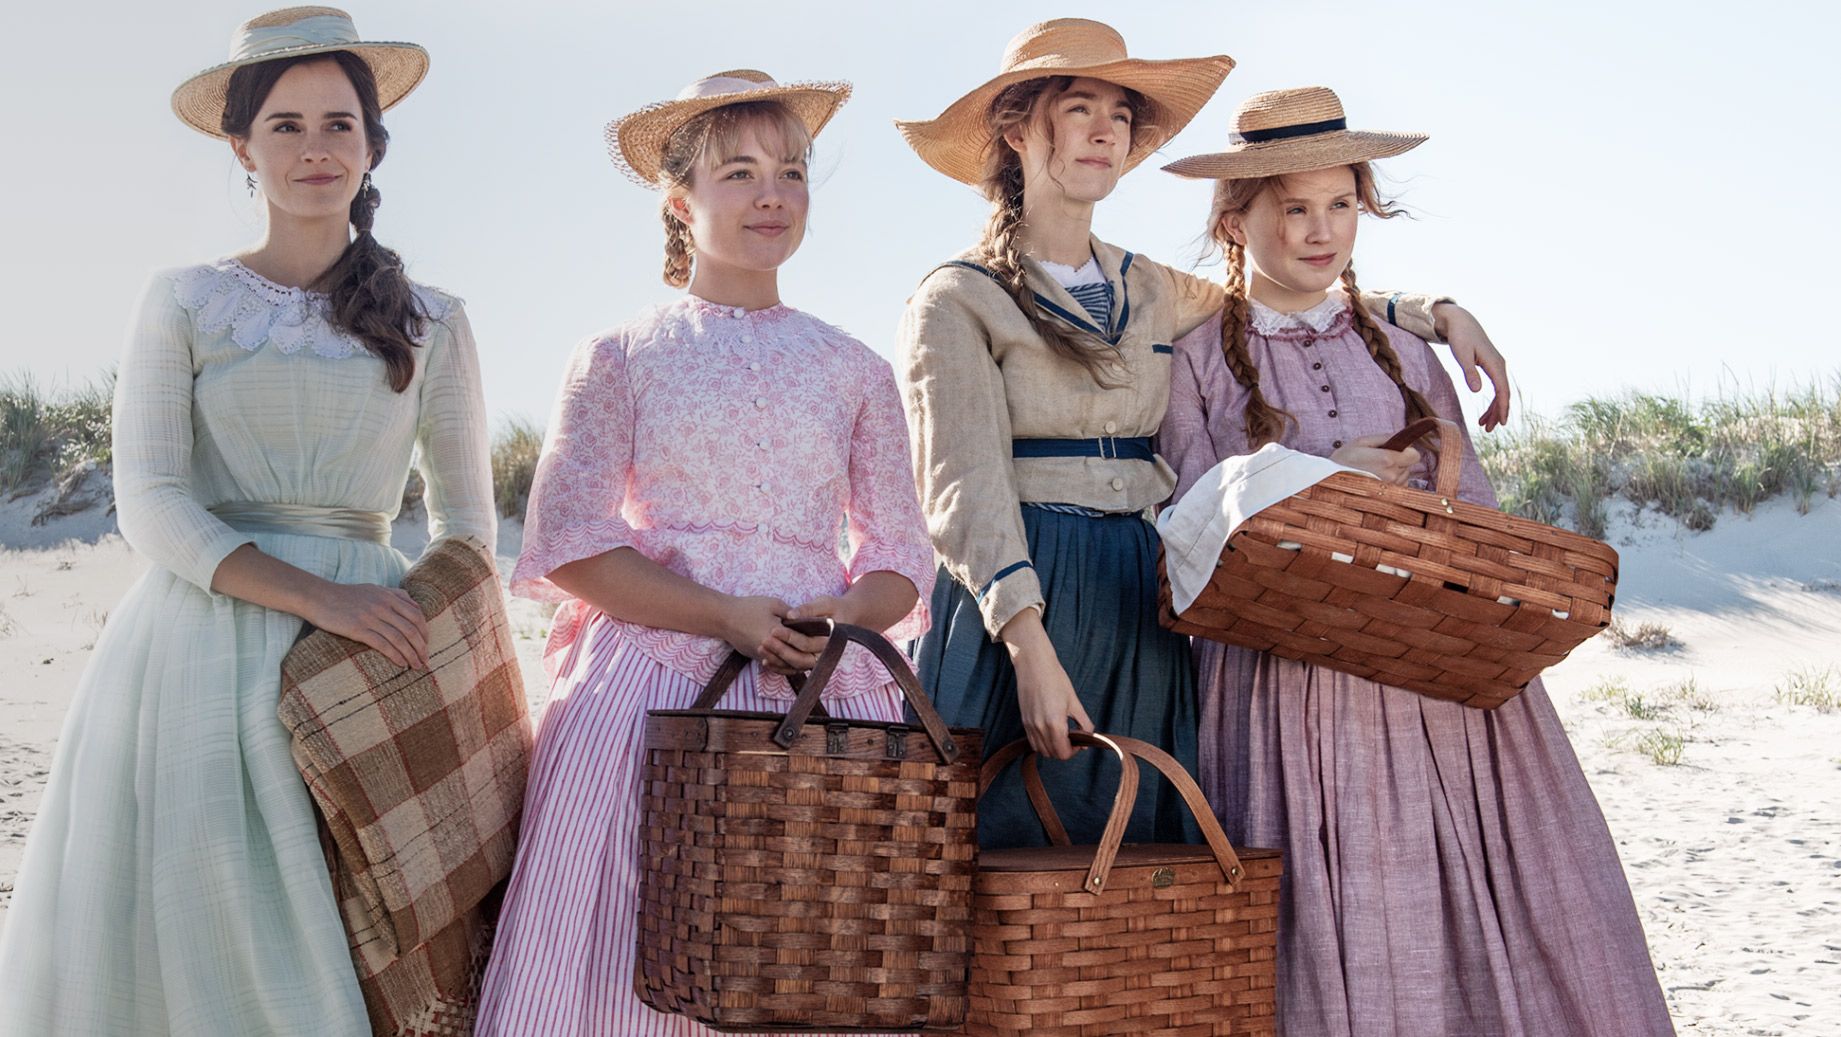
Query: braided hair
(715, 132)
(1002, 186)
(1265, 423)
(368, 293)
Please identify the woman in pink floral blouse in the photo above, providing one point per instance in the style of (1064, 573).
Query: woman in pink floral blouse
(701, 462)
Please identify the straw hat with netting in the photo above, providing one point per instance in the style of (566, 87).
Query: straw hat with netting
(1292, 131)
(297, 32)
(956, 141)
(636, 142)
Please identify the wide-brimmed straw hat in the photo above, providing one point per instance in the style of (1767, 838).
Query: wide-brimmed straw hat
(1292, 131)
(636, 141)
(955, 142)
(297, 32)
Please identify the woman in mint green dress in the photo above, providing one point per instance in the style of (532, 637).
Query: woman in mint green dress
(266, 412)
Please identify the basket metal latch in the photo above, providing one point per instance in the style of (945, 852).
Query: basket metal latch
(1163, 878)
(837, 737)
(897, 747)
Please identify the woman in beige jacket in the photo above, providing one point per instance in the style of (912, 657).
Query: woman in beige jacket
(1036, 368)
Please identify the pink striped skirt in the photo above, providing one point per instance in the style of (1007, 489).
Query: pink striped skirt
(562, 962)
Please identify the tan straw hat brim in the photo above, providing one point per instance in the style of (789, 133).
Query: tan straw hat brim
(399, 67)
(636, 142)
(1295, 155)
(956, 141)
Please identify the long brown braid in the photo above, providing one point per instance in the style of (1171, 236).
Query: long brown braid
(1382, 350)
(711, 139)
(1003, 187)
(1264, 422)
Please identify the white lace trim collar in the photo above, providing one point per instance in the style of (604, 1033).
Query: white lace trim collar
(226, 295)
(1073, 277)
(1319, 318)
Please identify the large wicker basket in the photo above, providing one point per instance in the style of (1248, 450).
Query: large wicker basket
(803, 873)
(1083, 941)
(1407, 587)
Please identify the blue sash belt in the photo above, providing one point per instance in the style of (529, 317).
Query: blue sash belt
(1130, 448)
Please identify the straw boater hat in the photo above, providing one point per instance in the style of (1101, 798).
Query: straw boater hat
(1292, 131)
(296, 32)
(636, 142)
(955, 142)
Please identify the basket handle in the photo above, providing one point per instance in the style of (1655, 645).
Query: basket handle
(1449, 450)
(1108, 849)
(811, 686)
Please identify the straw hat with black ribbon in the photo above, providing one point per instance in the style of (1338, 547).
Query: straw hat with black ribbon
(636, 141)
(297, 32)
(956, 141)
(1292, 131)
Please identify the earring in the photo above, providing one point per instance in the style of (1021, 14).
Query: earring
(250, 182)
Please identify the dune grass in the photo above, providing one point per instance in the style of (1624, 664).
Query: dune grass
(51, 435)
(1687, 460)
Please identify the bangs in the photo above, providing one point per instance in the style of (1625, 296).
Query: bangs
(772, 123)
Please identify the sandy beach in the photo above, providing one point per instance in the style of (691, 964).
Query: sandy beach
(1717, 758)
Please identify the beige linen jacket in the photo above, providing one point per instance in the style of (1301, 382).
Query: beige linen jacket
(975, 375)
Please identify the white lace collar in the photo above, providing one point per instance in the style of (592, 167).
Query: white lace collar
(1319, 318)
(226, 295)
(1073, 277)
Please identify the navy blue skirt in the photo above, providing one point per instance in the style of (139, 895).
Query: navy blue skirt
(1099, 578)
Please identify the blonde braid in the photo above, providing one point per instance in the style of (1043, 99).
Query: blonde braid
(1382, 350)
(1264, 422)
(678, 249)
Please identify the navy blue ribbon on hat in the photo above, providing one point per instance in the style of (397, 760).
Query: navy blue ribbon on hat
(1302, 129)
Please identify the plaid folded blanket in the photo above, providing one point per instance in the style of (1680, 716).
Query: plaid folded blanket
(419, 778)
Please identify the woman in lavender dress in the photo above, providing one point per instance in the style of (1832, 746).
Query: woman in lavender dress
(1447, 869)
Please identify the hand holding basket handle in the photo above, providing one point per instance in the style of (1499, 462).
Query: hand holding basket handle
(1450, 451)
(811, 686)
(1108, 849)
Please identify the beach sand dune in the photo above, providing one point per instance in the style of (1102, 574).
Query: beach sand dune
(1717, 760)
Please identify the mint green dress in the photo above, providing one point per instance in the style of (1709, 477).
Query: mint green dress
(173, 881)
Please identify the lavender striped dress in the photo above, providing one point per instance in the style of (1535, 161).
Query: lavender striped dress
(1447, 870)
(728, 446)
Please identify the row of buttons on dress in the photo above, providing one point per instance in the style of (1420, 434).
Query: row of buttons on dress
(760, 402)
(1317, 365)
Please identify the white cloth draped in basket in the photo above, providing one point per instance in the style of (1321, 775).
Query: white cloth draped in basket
(1196, 528)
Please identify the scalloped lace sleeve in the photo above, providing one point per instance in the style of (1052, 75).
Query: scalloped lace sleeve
(581, 480)
(887, 532)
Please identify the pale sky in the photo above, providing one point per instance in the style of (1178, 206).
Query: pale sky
(1627, 194)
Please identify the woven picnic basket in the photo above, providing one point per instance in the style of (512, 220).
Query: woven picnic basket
(1081, 941)
(1407, 587)
(806, 873)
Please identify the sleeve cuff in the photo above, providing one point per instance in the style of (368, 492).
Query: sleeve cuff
(213, 556)
(1014, 588)
(1412, 312)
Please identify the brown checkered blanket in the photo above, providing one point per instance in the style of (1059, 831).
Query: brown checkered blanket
(419, 777)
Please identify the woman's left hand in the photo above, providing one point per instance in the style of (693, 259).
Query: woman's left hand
(1471, 347)
(788, 650)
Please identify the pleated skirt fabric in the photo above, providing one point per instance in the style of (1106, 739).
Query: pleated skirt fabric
(563, 959)
(1099, 580)
(173, 881)
(1448, 872)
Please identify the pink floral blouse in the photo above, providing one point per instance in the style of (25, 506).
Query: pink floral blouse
(736, 448)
